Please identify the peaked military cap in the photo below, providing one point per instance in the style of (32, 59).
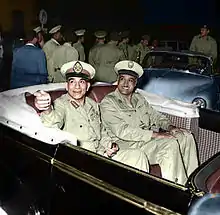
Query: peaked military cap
(129, 68)
(55, 29)
(77, 69)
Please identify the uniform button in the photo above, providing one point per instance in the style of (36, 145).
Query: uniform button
(80, 126)
(88, 120)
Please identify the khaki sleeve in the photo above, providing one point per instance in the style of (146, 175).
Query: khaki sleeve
(121, 55)
(105, 141)
(214, 50)
(55, 119)
(193, 45)
(73, 54)
(157, 119)
(91, 58)
(50, 69)
(46, 51)
(112, 119)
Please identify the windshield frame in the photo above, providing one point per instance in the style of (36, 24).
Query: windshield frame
(207, 68)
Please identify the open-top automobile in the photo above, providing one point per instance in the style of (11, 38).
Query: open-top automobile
(44, 171)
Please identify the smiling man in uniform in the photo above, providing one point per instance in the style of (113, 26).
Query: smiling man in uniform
(133, 123)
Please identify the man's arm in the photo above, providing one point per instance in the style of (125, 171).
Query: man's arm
(157, 119)
(112, 119)
(193, 44)
(214, 50)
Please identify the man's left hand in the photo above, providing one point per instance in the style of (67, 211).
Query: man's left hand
(112, 150)
(173, 130)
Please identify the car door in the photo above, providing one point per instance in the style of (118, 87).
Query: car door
(29, 162)
(85, 182)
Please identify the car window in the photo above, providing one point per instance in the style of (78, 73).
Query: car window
(196, 64)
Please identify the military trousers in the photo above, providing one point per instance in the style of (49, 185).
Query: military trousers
(177, 156)
(133, 157)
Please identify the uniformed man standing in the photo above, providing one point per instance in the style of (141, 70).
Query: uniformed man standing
(106, 57)
(125, 47)
(79, 44)
(204, 43)
(54, 42)
(133, 123)
(141, 49)
(61, 55)
(79, 115)
(100, 41)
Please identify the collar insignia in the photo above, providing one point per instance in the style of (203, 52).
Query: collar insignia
(77, 67)
(130, 64)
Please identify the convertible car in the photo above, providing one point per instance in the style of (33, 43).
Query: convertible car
(44, 171)
(185, 76)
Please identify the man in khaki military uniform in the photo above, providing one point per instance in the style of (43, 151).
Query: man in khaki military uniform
(204, 43)
(133, 123)
(79, 44)
(141, 49)
(100, 41)
(79, 115)
(125, 47)
(106, 57)
(54, 42)
(61, 55)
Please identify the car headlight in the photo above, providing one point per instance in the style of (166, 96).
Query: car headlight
(199, 102)
(2, 212)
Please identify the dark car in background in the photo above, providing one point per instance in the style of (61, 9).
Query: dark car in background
(174, 45)
(185, 76)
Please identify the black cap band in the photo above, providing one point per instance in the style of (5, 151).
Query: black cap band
(128, 72)
(74, 74)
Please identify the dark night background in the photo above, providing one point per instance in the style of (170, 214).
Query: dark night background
(138, 15)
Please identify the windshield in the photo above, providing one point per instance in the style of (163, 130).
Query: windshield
(197, 64)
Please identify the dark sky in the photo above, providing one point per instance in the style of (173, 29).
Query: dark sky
(131, 12)
(180, 11)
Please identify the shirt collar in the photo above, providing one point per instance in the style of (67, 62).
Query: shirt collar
(55, 41)
(30, 44)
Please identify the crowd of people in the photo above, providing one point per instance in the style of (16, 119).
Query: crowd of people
(37, 61)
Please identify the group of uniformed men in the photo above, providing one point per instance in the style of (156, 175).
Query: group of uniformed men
(102, 56)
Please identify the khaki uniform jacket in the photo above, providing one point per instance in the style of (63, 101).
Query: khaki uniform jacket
(140, 51)
(127, 50)
(49, 48)
(80, 48)
(82, 121)
(63, 54)
(106, 57)
(92, 54)
(128, 125)
(207, 46)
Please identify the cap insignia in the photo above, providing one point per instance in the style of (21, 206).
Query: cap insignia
(130, 64)
(77, 67)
